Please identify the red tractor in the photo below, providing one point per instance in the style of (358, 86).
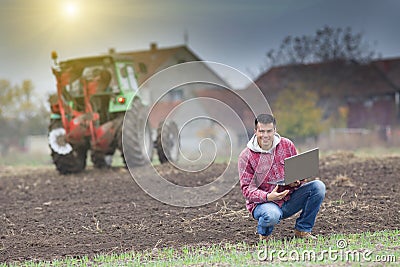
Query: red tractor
(94, 95)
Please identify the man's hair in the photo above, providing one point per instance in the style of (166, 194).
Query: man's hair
(264, 119)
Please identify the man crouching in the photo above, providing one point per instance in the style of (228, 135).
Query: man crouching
(261, 162)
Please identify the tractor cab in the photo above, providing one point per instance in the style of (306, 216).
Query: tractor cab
(107, 82)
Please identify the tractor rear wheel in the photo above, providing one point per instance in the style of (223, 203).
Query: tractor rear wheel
(167, 142)
(67, 158)
(136, 143)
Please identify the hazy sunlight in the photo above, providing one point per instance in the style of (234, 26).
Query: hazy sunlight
(70, 9)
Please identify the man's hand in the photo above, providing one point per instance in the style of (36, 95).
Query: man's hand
(275, 195)
(295, 184)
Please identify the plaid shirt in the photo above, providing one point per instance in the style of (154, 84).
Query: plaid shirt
(257, 169)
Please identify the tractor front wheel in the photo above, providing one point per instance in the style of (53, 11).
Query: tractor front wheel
(66, 157)
(101, 160)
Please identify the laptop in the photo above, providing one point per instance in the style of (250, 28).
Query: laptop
(300, 167)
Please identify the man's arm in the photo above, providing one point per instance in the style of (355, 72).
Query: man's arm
(247, 182)
(249, 189)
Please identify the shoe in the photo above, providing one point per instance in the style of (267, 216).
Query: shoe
(264, 237)
(304, 235)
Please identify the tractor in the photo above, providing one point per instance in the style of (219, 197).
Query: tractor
(97, 104)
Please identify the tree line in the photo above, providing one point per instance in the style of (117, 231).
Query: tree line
(21, 114)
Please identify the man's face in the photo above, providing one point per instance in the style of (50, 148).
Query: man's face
(265, 135)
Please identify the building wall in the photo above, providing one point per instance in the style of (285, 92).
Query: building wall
(372, 113)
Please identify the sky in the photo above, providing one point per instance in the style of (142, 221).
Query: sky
(237, 33)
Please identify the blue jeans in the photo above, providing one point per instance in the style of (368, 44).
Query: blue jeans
(307, 198)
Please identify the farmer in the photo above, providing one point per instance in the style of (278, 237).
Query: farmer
(262, 161)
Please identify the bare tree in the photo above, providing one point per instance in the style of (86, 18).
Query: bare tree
(327, 44)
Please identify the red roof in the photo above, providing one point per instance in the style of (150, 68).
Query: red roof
(149, 62)
(335, 79)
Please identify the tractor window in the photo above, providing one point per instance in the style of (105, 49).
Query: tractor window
(127, 76)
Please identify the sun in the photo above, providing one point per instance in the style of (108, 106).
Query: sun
(70, 9)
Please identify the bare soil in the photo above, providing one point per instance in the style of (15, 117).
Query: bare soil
(45, 216)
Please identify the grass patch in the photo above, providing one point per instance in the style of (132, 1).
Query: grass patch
(335, 250)
(367, 152)
(17, 158)
(377, 151)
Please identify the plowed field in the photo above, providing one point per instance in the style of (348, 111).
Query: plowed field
(44, 215)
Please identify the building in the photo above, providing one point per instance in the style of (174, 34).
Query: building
(369, 92)
(197, 107)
